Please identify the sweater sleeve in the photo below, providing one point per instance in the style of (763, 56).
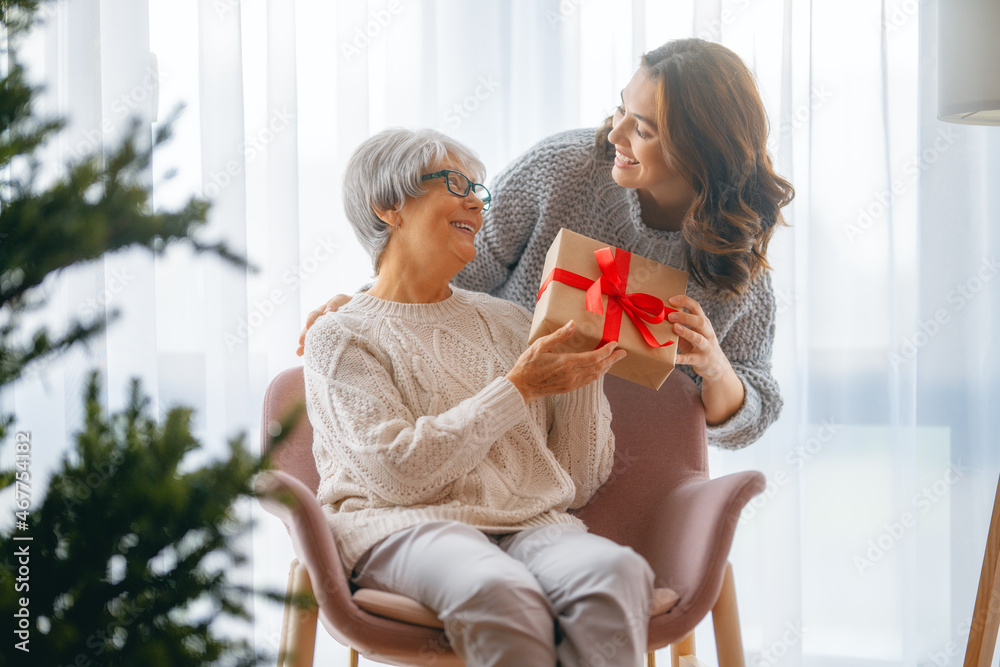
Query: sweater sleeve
(581, 438)
(507, 225)
(748, 347)
(361, 421)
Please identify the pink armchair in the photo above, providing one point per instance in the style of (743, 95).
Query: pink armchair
(659, 500)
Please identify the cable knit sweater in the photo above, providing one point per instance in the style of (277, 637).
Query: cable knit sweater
(414, 421)
(562, 182)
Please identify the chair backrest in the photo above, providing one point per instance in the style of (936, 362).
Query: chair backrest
(659, 443)
(286, 393)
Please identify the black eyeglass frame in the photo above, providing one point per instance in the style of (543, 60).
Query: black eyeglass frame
(447, 182)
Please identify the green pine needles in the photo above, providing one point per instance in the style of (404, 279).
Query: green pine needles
(129, 551)
(123, 559)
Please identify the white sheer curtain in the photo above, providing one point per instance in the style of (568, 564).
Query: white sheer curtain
(866, 547)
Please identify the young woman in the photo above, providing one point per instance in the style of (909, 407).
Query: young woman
(679, 174)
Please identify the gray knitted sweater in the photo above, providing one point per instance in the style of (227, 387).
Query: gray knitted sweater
(562, 182)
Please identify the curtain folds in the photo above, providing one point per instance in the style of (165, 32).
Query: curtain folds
(867, 545)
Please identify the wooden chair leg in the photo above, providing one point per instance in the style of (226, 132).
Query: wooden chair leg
(353, 660)
(682, 648)
(726, 618)
(651, 659)
(986, 613)
(297, 643)
(286, 613)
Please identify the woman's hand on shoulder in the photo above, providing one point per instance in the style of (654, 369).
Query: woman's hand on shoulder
(330, 306)
(543, 369)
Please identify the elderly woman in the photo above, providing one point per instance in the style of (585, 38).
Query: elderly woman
(448, 453)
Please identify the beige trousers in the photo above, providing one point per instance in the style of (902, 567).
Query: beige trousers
(540, 597)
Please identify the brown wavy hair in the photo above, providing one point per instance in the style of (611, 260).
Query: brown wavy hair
(711, 122)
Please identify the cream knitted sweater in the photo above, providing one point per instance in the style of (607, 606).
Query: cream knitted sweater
(414, 421)
(562, 182)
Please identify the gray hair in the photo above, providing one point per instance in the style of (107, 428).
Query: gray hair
(384, 172)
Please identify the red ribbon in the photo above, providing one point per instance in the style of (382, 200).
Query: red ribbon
(638, 306)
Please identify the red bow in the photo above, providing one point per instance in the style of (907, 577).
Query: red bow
(638, 306)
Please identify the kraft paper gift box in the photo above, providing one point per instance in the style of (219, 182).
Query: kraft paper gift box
(627, 282)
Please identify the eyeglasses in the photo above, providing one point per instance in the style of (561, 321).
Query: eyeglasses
(459, 185)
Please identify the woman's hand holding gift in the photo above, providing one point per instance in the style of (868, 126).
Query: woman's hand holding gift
(722, 391)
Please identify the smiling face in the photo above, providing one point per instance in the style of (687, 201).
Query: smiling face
(640, 161)
(434, 232)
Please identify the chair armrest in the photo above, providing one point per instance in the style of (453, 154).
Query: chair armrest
(691, 532)
(295, 504)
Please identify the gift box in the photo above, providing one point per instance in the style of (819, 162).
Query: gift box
(611, 294)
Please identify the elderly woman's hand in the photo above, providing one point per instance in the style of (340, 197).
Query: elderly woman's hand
(330, 306)
(543, 370)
